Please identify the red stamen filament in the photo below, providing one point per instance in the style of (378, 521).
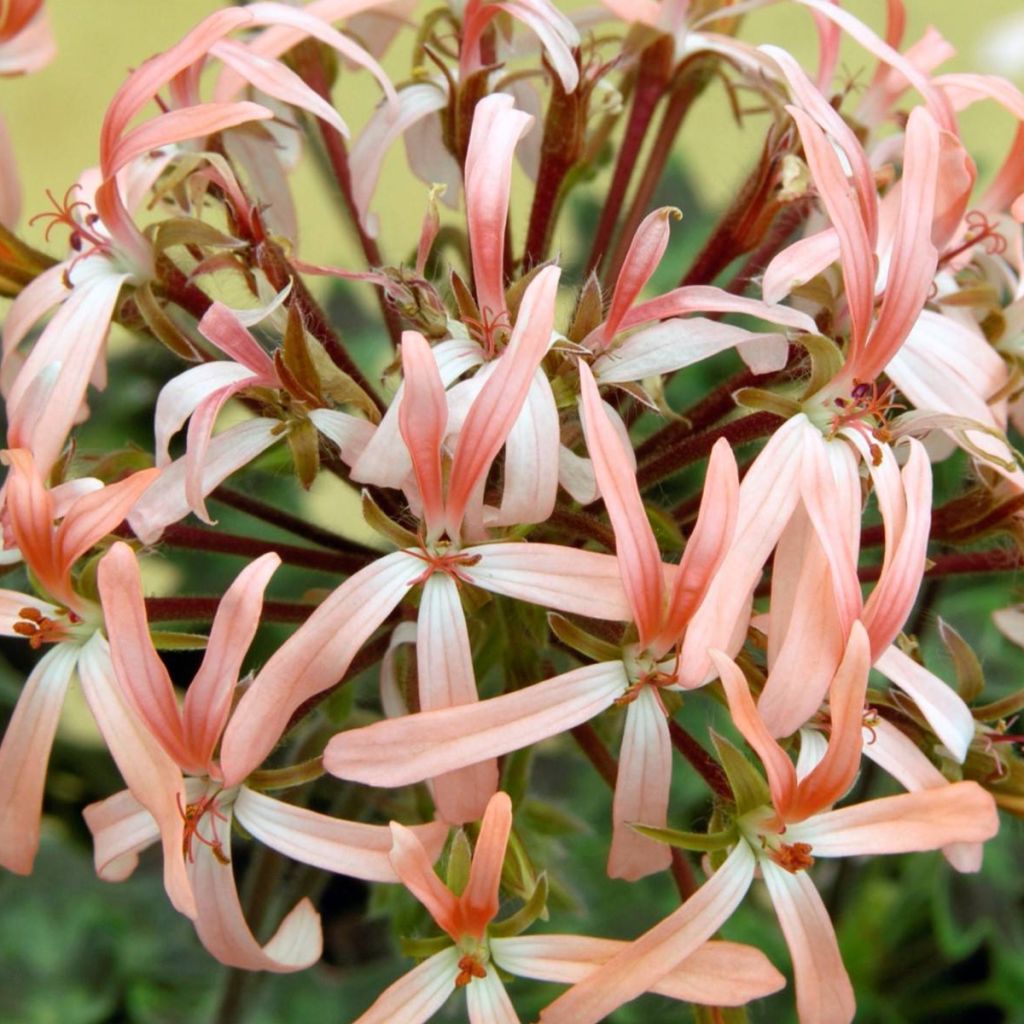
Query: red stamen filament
(63, 214)
(191, 815)
(446, 563)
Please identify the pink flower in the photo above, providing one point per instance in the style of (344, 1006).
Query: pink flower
(88, 511)
(724, 974)
(177, 793)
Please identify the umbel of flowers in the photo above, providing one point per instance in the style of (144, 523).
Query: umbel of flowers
(564, 549)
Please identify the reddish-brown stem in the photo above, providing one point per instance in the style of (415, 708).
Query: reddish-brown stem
(582, 524)
(671, 459)
(967, 563)
(196, 539)
(312, 71)
(785, 224)
(653, 69)
(706, 766)
(203, 609)
(286, 521)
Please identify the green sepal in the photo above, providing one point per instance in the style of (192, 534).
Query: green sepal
(970, 678)
(704, 842)
(1003, 708)
(580, 640)
(749, 789)
(188, 231)
(535, 907)
(518, 875)
(381, 523)
(162, 325)
(826, 361)
(666, 529)
(420, 949)
(759, 400)
(304, 443)
(170, 640)
(589, 312)
(515, 774)
(460, 857)
(719, 1014)
(19, 263)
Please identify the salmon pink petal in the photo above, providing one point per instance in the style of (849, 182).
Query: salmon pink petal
(313, 658)
(24, 754)
(706, 547)
(897, 754)
(824, 994)
(208, 700)
(531, 459)
(404, 750)
(479, 901)
(832, 777)
(74, 339)
(487, 1002)
(222, 929)
(31, 513)
(715, 974)
(708, 299)
(423, 419)
(415, 870)
(165, 502)
(153, 778)
(121, 829)
(345, 847)
(500, 400)
(645, 962)
(92, 516)
(941, 705)
(778, 767)
(30, 305)
(641, 260)
(497, 128)
(446, 679)
(641, 790)
(798, 263)
(222, 327)
(140, 672)
(855, 245)
(961, 812)
(636, 548)
(418, 995)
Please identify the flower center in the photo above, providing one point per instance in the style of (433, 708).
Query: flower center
(192, 814)
(448, 562)
(39, 630)
(865, 411)
(793, 857)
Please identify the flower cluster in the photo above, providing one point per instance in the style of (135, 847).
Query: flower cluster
(561, 548)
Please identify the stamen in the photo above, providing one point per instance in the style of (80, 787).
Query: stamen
(191, 815)
(445, 562)
(469, 968)
(38, 629)
(793, 857)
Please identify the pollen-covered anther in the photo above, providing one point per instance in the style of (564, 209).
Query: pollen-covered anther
(38, 629)
(793, 857)
(470, 967)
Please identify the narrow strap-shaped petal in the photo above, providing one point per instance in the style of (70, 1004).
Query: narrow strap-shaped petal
(345, 847)
(855, 246)
(498, 404)
(74, 340)
(707, 544)
(24, 754)
(703, 298)
(30, 305)
(641, 260)
(530, 484)
(777, 765)
(121, 829)
(798, 263)
(153, 778)
(349, 433)
(824, 994)
(479, 901)
(835, 773)
(415, 869)
(94, 515)
(914, 257)
(641, 790)
(221, 326)
(418, 995)
(423, 419)
(635, 546)
(642, 964)
(313, 658)
(444, 663)
(208, 700)
(941, 705)
(31, 513)
(715, 974)
(487, 1002)
(166, 502)
(222, 928)
(404, 750)
(556, 577)
(140, 672)
(497, 128)
(961, 812)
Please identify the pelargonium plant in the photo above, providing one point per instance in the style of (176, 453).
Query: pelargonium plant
(670, 501)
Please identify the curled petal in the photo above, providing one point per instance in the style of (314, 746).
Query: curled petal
(121, 829)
